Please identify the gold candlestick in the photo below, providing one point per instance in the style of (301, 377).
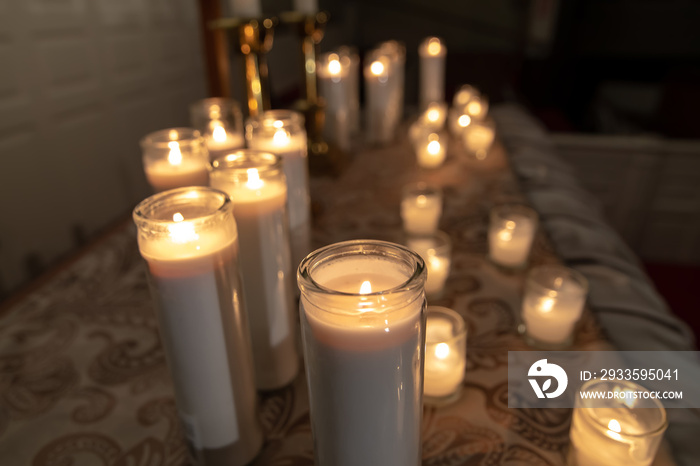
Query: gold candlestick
(254, 37)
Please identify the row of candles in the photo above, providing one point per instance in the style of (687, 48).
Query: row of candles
(221, 261)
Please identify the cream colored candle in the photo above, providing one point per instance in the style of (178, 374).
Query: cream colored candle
(379, 114)
(478, 107)
(432, 53)
(220, 122)
(445, 354)
(189, 240)
(436, 251)
(478, 138)
(431, 151)
(512, 230)
(332, 72)
(421, 208)
(255, 183)
(282, 133)
(174, 158)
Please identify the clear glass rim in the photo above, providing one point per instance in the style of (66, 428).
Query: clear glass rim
(143, 212)
(161, 138)
(499, 210)
(443, 241)
(267, 119)
(460, 330)
(539, 277)
(241, 160)
(586, 410)
(221, 101)
(360, 247)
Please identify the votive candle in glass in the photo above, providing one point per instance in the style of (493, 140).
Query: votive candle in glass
(189, 240)
(175, 157)
(432, 53)
(478, 138)
(625, 429)
(512, 229)
(436, 251)
(445, 355)
(552, 304)
(431, 150)
(363, 323)
(282, 133)
(421, 208)
(434, 115)
(478, 107)
(220, 122)
(458, 120)
(255, 182)
(464, 95)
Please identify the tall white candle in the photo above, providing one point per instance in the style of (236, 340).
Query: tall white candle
(421, 208)
(174, 158)
(332, 72)
(552, 304)
(432, 53)
(245, 8)
(189, 240)
(255, 183)
(378, 88)
(350, 60)
(512, 230)
(282, 133)
(362, 328)
(445, 353)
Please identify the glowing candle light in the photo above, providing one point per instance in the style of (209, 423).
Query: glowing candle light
(175, 158)
(220, 122)
(334, 88)
(432, 71)
(421, 208)
(445, 354)
(512, 230)
(431, 153)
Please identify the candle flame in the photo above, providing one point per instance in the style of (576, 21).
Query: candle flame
(434, 46)
(281, 137)
(474, 107)
(254, 181)
(334, 65)
(278, 123)
(505, 235)
(175, 156)
(181, 231)
(219, 133)
(433, 115)
(510, 224)
(614, 429)
(434, 147)
(547, 305)
(421, 200)
(366, 287)
(377, 68)
(442, 350)
(464, 120)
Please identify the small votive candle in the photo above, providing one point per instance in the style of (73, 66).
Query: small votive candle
(618, 430)
(220, 122)
(434, 115)
(478, 107)
(512, 230)
(445, 355)
(458, 120)
(478, 138)
(552, 304)
(421, 208)
(431, 150)
(464, 94)
(436, 251)
(174, 158)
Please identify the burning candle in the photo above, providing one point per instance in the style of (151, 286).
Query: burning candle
(458, 120)
(282, 133)
(379, 113)
(478, 138)
(431, 153)
(175, 157)
(512, 230)
(434, 115)
(189, 241)
(552, 304)
(332, 72)
(220, 122)
(255, 183)
(478, 107)
(620, 430)
(432, 54)
(421, 208)
(445, 355)
(362, 319)
(464, 94)
(436, 251)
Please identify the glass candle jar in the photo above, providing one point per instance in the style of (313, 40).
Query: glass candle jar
(431, 149)
(552, 304)
(512, 229)
(255, 182)
(220, 122)
(363, 323)
(175, 157)
(445, 355)
(478, 107)
(421, 208)
(189, 240)
(282, 133)
(478, 137)
(436, 251)
(620, 430)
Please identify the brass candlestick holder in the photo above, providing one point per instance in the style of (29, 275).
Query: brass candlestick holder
(254, 37)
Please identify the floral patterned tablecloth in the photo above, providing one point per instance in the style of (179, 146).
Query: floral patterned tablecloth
(83, 379)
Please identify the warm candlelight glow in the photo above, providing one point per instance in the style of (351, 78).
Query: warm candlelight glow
(173, 135)
(442, 350)
(377, 68)
(434, 46)
(421, 200)
(547, 305)
(474, 107)
(434, 147)
(464, 121)
(182, 232)
(366, 287)
(334, 65)
(218, 133)
(278, 123)
(175, 156)
(614, 429)
(505, 235)
(281, 137)
(433, 115)
(254, 181)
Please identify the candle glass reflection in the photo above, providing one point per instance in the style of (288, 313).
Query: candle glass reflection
(282, 133)
(478, 138)
(445, 355)
(189, 240)
(512, 229)
(363, 323)
(255, 183)
(621, 430)
(552, 304)
(436, 251)
(220, 122)
(421, 208)
(174, 158)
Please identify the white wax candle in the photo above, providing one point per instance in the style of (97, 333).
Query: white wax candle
(164, 174)
(332, 72)
(292, 149)
(431, 153)
(432, 54)
(265, 260)
(245, 8)
(221, 142)
(478, 139)
(458, 121)
(421, 212)
(510, 241)
(204, 332)
(379, 90)
(445, 358)
(436, 252)
(550, 316)
(306, 7)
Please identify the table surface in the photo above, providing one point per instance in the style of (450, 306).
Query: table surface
(83, 376)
